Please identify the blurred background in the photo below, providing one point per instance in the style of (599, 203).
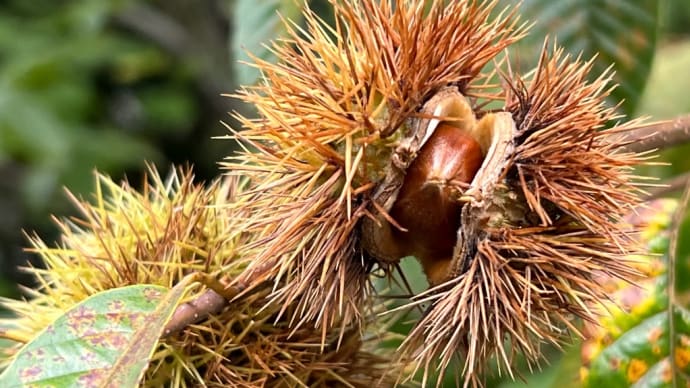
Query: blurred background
(112, 84)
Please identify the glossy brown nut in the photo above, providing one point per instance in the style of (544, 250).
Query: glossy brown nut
(426, 206)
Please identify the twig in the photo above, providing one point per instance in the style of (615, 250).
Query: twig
(658, 136)
(669, 186)
(192, 312)
(210, 302)
(215, 299)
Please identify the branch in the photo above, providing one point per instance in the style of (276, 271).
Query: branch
(216, 298)
(186, 314)
(658, 136)
(669, 186)
(210, 302)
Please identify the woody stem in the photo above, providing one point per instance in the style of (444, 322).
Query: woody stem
(658, 136)
(215, 299)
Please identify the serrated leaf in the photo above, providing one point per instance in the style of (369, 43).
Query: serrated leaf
(105, 341)
(643, 347)
(619, 32)
(256, 23)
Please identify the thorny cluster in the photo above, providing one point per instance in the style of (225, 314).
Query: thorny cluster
(396, 131)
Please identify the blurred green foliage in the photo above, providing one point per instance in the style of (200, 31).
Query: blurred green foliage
(621, 34)
(60, 74)
(676, 17)
(109, 84)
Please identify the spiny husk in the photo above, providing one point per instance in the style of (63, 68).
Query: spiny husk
(176, 227)
(564, 157)
(336, 115)
(542, 237)
(254, 347)
(332, 111)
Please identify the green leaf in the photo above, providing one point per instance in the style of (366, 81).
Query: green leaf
(650, 345)
(256, 23)
(106, 340)
(620, 32)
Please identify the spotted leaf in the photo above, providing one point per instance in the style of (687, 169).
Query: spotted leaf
(104, 341)
(646, 342)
